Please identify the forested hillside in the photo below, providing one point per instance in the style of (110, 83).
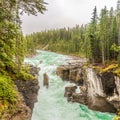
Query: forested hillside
(12, 43)
(97, 40)
(13, 50)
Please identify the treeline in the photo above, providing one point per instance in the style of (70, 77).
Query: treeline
(97, 40)
(12, 42)
(69, 41)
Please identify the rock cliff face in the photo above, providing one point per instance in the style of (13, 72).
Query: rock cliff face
(99, 92)
(29, 91)
(71, 72)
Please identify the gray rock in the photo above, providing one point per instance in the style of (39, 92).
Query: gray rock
(29, 89)
(75, 72)
(45, 80)
(100, 104)
(69, 90)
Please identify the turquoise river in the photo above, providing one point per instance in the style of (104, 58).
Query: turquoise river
(52, 105)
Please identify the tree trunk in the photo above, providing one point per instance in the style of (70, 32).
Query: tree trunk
(103, 52)
(103, 56)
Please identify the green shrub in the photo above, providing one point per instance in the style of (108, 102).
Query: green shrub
(25, 76)
(7, 90)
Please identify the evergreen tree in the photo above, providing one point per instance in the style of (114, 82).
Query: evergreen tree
(93, 37)
(11, 38)
(103, 33)
(118, 24)
(93, 40)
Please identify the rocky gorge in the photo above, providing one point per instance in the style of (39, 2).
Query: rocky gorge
(51, 103)
(99, 91)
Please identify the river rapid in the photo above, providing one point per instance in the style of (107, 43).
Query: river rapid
(52, 105)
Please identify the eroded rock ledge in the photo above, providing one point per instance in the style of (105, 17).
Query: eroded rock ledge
(29, 91)
(99, 92)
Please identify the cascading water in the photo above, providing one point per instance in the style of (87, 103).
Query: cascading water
(95, 85)
(51, 103)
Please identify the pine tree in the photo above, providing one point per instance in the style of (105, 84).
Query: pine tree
(11, 38)
(104, 33)
(118, 24)
(93, 37)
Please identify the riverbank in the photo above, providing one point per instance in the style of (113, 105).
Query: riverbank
(98, 90)
(26, 92)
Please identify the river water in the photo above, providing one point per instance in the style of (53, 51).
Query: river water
(51, 103)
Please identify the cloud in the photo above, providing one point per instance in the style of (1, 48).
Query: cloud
(64, 13)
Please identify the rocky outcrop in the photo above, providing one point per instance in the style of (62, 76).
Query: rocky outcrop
(69, 90)
(99, 92)
(70, 93)
(29, 91)
(100, 104)
(45, 80)
(34, 70)
(115, 99)
(63, 72)
(72, 72)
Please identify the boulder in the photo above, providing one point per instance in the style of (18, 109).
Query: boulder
(100, 104)
(69, 90)
(40, 61)
(70, 93)
(79, 98)
(45, 80)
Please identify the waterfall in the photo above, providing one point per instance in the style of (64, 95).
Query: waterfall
(94, 83)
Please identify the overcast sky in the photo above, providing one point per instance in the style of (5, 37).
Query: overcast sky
(64, 13)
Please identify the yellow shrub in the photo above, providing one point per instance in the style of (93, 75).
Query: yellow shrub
(117, 72)
(110, 67)
(116, 118)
